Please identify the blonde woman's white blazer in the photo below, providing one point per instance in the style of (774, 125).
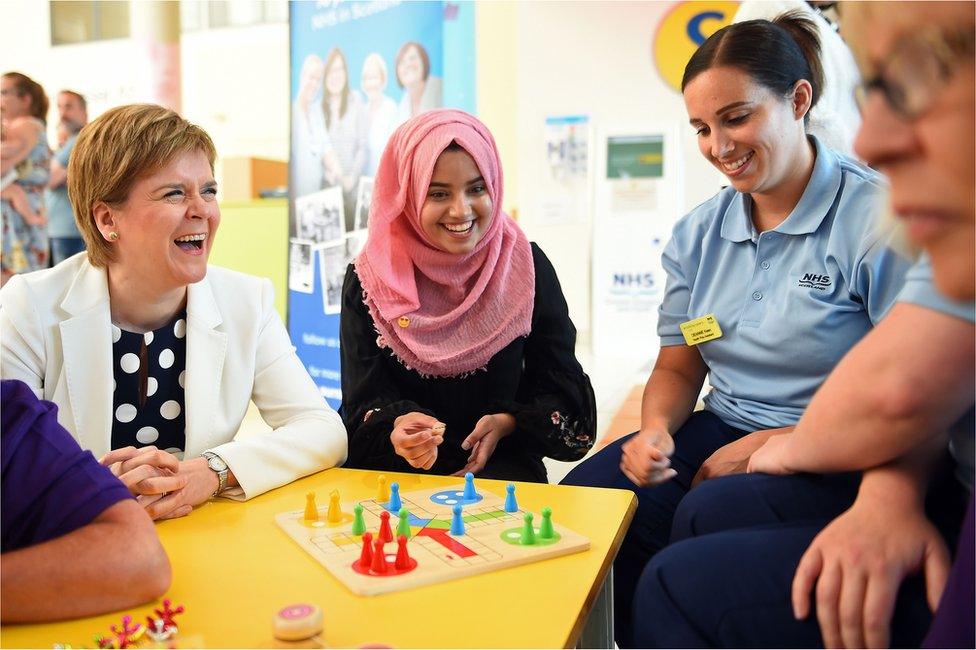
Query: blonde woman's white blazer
(56, 336)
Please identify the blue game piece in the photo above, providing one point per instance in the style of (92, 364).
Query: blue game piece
(511, 505)
(469, 492)
(457, 523)
(395, 503)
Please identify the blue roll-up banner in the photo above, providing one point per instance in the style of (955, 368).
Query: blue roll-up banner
(358, 70)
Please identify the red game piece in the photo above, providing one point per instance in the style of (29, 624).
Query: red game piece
(379, 564)
(386, 533)
(366, 559)
(129, 634)
(402, 557)
(168, 614)
(104, 642)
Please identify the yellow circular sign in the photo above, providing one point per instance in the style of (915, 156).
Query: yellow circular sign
(683, 30)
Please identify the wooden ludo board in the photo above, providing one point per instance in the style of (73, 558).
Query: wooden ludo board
(440, 556)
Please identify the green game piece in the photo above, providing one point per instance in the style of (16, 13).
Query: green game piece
(358, 523)
(545, 528)
(403, 528)
(528, 532)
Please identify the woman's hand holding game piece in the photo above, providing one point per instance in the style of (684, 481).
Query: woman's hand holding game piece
(415, 438)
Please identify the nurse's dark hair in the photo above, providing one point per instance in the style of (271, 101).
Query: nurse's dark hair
(775, 53)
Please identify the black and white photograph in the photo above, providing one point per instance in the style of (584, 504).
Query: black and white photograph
(363, 199)
(354, 244)
(301, 273)
(320, 216)
(332, 267)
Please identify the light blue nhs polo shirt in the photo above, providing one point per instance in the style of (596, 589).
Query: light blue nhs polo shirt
(920, 290)
(790, 301)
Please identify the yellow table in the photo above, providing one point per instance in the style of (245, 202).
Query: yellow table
(233, 568)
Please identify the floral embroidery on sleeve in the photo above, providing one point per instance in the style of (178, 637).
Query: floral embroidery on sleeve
(572, 433)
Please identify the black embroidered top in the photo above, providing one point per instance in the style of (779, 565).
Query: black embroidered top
(537, 379)
(148, 399)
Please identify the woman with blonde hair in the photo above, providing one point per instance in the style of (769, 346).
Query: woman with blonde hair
(381, 111)
(311, 149)
(345, 122)
(152, 355)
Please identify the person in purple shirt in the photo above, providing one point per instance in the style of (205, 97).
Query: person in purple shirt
(73, 540)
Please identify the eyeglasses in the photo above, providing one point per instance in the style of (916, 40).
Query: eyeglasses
(919, 67)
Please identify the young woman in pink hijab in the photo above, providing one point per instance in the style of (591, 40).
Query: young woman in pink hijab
(457, 347)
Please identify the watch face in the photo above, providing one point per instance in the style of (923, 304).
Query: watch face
(216, 463)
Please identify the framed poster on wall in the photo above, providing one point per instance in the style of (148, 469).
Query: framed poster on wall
(636, 203)
(358, 70)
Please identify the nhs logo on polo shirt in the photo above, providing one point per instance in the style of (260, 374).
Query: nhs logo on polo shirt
(818, 281)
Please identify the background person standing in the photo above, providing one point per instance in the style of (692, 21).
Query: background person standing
(25, 156)
(62, 231)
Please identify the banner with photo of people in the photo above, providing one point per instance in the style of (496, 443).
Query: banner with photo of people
(358, 71)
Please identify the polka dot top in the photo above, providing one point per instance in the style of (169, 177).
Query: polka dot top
(147, 402)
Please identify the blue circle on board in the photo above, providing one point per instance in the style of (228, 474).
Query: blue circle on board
(452, 497)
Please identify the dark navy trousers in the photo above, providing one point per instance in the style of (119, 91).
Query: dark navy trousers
(700, 436)
(725, 581)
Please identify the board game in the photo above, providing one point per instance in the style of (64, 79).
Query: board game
(424, 537)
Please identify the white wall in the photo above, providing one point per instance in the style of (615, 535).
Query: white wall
(235, 85)
(100, 70)
(591, 58)
(235, 80)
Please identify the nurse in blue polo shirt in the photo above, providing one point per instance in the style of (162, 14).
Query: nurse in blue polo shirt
(770, 282)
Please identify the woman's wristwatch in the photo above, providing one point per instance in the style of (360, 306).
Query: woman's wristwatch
(217, 464)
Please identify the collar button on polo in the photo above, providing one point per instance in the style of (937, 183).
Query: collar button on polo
(765, 265)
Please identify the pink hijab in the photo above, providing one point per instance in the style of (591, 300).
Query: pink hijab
(442, 314)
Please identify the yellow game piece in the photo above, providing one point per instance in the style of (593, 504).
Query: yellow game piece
(311, 511)
(384, 492)
(502, 540)
(334, 516)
